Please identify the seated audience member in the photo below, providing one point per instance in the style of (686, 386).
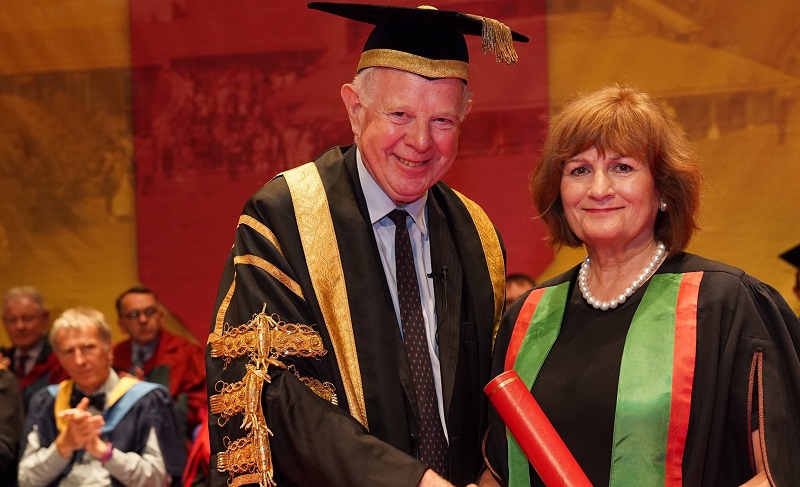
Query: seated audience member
(10, 423)
(30, 357)
(96, 428)
(792, 256)
(516, 285)
(156, 355)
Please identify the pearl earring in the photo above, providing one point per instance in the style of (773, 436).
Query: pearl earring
(662, 206)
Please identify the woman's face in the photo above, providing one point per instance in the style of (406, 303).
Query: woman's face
(609, 200)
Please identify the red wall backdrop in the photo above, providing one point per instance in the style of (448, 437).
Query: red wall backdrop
(228, 94)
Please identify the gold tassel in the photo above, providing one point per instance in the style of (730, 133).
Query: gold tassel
(497, 39)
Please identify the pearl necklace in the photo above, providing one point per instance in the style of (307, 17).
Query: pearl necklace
(649, 269)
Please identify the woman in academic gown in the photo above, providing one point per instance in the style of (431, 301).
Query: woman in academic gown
(655, 366)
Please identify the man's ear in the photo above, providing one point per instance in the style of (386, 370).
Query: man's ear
(468, 108)
(352, 103)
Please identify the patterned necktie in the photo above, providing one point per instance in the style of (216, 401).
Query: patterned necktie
(22, 361)
(140, 358)
(432, 442)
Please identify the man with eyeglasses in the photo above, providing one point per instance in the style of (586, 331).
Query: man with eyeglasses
(154, 354)
(30, 357)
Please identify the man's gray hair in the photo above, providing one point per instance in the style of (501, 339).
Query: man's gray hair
(28, 292)
(81, 318)
(365, 87)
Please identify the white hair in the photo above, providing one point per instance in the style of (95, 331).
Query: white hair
(364, 85)
(25, 292)
(79, 319)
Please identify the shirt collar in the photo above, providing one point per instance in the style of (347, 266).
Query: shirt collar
(33, 352)
(148, 349)
(107, 386)
(379, 204)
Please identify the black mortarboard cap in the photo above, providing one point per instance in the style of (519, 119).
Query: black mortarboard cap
(792, 256)
(424, 40)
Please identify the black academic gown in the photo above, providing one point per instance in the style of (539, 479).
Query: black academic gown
(315, 442)
(11, 417)
(737, 316)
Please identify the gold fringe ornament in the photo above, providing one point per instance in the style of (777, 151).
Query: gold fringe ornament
(263, 340)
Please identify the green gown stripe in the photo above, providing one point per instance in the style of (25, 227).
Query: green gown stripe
(538, 340)
(644, 396)
(644, 393)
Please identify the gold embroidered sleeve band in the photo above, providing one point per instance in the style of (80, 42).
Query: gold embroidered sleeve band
(270, 269)
(261, 229)
(263, 340)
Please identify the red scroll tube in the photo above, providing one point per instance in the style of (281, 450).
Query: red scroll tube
(533, 431)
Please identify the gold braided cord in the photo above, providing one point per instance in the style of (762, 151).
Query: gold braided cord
(261, 229)
(266, 337)
(494, 257)
(235, 343)
(325, 390)
(270, 269)
(237, 457)
(245, 479)
(269, 337)
(297, 340)
(496, 38)
(240, 459)
(263, 340)
(230, 400)
(430, 68)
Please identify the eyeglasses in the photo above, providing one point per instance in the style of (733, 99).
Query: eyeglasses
(135, 314)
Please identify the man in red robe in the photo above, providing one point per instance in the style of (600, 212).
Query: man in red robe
(156, 355)
(30, 357)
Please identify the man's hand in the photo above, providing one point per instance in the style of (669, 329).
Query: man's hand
(759, 480)
(97, 448)
(761, 476)
(487, 480)
(82, 429)
(432, 479)
(138, 372)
